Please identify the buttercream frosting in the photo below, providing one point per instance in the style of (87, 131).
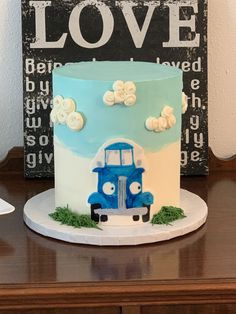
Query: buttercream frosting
(167, 111)
(123, 93)
(53, 116)
(61, 116)
(130, 100)
(68, 105)
(75, 121)
(166, 120)
(150, 123)
(184, 102)
(161, 124)
(129, 88)
(118, 85)
(109, 98)
(119, 96)
(63, 112)
(171, 121)
(57, 102)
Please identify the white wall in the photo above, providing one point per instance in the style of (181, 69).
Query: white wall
(222, 76)
(11, 131)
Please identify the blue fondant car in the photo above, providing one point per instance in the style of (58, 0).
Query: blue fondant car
(119, 189)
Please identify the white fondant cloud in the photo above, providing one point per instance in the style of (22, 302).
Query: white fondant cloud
(75, 121)
(130, 99)
(61, 116)
(166, 120)
(119, 96)
(129, 88)
(57, 102)
(53, 116)
(68, 105)
(64, 112)
(109, 98)
(123, 93)
(118, 86)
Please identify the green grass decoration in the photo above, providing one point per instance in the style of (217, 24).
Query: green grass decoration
(167, 214)
(70, 218)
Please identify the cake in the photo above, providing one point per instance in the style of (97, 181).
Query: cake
(117, 133)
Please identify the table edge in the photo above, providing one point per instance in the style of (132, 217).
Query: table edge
(94, 294)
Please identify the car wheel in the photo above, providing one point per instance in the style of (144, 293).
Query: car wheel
(104, 218)
(136, 218)
(95, 216)
(146, 217)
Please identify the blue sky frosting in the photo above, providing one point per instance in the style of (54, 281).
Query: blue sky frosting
(157, 86)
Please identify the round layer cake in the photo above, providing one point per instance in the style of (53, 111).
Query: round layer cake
(117, 131)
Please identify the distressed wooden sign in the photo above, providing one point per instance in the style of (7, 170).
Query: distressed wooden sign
(57, 32)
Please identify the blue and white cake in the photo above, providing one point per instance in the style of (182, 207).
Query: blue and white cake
(117, 131)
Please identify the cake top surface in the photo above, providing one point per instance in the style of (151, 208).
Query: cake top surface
(113, 70)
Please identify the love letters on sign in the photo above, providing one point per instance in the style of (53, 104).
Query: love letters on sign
(56, 32)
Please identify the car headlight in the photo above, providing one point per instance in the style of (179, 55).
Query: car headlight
(108, 188)
(135, 187)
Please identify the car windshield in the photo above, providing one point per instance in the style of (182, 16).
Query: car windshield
(113, 157)
(126, 157)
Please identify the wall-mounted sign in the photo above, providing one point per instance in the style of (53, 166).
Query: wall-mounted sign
(57, 32)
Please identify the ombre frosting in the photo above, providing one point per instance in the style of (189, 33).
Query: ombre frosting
(155, 86)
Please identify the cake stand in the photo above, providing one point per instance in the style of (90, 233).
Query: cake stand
(38, 208)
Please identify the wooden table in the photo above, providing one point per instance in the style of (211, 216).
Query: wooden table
(191, 274)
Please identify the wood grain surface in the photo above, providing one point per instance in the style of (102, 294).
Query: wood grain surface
(191, 274)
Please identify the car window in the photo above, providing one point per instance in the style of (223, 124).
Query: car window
(113, 157)
(126, 156)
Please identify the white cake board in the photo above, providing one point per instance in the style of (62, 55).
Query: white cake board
(5, 208)
(36, 217)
